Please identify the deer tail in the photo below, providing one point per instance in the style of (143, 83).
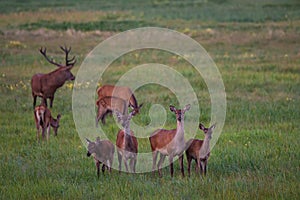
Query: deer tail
(40, 117)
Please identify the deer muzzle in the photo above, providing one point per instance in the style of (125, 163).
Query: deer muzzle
(88, 154)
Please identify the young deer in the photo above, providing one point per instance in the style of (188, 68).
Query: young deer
(107, 105)
(126, 142)
(199, 150)
(103, 153)
(43, 121)
(45, 85)
(169, 142)
(119, 93)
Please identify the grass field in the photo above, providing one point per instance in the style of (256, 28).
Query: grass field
(256, 48)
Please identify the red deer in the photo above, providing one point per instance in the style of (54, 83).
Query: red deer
(169, 142)
(103, 153)
(126, 142)
(45, 85)
(120, 92)
(108, 104)
(199, 150)
(43, 121)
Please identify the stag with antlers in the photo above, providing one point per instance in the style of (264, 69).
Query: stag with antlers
(45, 85)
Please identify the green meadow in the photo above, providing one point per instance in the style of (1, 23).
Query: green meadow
(256, 48)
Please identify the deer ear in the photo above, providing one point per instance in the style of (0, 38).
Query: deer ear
(141, 105)
(172, 108)
(187, 107)
(213, 127)
(98, 139)
(58, 117)
(201, 127)
(87, 140)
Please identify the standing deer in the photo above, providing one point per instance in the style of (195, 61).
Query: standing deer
(169, 142)
(103, 153)
(199, 150)
(123, 93)
(126, 142)
(43, 121)
(45, 85)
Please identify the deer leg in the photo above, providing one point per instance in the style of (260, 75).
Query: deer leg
(125, 163)
(97, 120)
(45, 101)
(181, 165)
(38, 133)
(171, 165)
(34, 100)
(201, 167)
(98, 168)
(99, 116)
(120, 161)
(43, 133)
(51, 101)
(160, 162)
(134, 164)
(154, 158)
(103, 168)
(109, 165)
(103, 118)
(103, 115)
(205, 166)
(198, 165)
(189, 160)
(131, 163)
(48, 133)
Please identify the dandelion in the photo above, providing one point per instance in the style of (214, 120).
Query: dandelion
(15, 43)
(226, 55)
(186, 30)
(69, 85)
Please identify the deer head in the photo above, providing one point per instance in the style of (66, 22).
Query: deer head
(180, 113)
(124, 119)
(136, 110)
(55, 124)
(91, 147)
(68, 65)
(207, 131)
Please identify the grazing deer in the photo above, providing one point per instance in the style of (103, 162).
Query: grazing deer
(45, 85)
(126, 142)
(199, 150)
(103, 153)
(43, 121)
(169, 142)
(120, 92)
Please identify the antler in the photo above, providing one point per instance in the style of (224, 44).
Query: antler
(69, 62)
(43, 52)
